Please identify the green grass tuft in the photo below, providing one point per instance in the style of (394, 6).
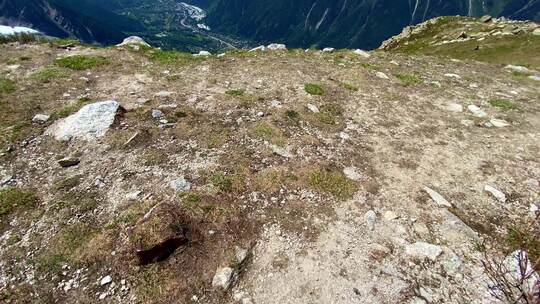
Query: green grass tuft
(222, 182)
(236, 93)
(409, 79)
(81, 62)
(503, 104)
(313, 89)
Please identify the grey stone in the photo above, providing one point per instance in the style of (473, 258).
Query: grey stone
(240, 254)
(476, 111)
(371, 218)
(69, 162)
(454, 107)
(498, 194)
(423, 250)
(452, 265)
(90, 122)
(105, 280)
(157, 114)
(41, 118)
(223, 278)
(352, 173)
(486, 18)
(362, 53)
(328, 50)
(437, 198)
(203, 54)
(180, 184)
(499, 123)
(133, 40)
(382, 75)
(277, 47)
(313, 108)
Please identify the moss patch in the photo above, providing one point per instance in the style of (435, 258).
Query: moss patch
(313, 89)
(409, 79)
(333, 182)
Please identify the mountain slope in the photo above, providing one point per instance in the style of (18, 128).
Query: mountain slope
(345, 23)
(62, 18)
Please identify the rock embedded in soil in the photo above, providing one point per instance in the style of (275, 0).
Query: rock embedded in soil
(180, 184)
(352, 173)
(41, 118)
(105, 280)
(476, 111)
(69, 162)
(424, 250)
(223, 278)
(498, 194)
(437, 198)
(90, 122)
(371, 218)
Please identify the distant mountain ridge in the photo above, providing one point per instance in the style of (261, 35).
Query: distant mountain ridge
(301, 23)
(347, 23)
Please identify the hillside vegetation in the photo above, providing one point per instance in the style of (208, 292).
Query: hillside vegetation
(407, 175)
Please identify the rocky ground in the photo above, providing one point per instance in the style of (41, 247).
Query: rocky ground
(145, 176)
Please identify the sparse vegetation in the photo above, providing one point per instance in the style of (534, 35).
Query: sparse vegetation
(333, 182)
(6, 85)
(349, 87)
(222, 182)
(236, 93)
(503, 104)
(174, 58)
(409, 79)
(81, 62)
(153, 157)
(12, 199)
(268, 132)
(67, 183)
(46, 75)
(313, 89)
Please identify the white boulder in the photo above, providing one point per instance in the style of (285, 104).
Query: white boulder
(90, 122)
(277, 47)
(362, 53)
(133, 40)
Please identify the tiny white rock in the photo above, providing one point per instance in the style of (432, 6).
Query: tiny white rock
(381, 75)
(105, 280)
(41, 118)
(499, 123)
(498, 194)
(352, 173)
(476, 111)
(454, 107)
(223, 278)
(437, 198)
(313, 108)
(371, 218)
